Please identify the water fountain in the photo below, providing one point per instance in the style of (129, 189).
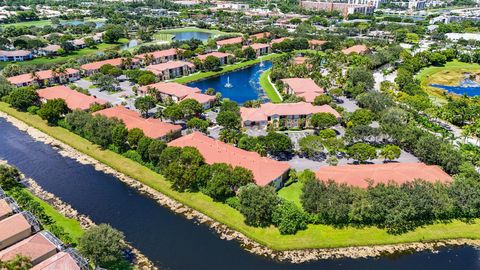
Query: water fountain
(228, 84)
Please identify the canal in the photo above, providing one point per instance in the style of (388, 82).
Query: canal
(170, 240)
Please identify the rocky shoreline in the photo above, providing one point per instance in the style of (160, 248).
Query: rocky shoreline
(225, 232)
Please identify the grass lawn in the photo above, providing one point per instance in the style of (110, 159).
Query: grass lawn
(292, 193)
(316, 236)
(71, 226)
(228, 68)
(450, 74)
(268, 87)
(63, 59)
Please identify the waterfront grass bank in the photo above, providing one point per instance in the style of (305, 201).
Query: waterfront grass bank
(225, 69)
(269, 88)
(316, 236)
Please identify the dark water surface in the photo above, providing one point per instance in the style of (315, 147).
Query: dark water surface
(170, 240)
(189, 35)
(245, 83)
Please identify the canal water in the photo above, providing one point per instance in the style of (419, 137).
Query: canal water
(170, 240)
(245, 83)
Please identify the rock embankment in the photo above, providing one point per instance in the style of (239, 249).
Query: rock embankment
(225, 232)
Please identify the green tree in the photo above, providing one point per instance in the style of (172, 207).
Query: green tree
(257, 204)
(211, 63)
(190, 108)
(173, 112)
(198, 124)
(229, 119)
(155, 149)
(119, 137)
(361, 117)
(362, 152)
(322, 100)
(144, 104)
(134, 136)
(102, 245)
(311, 145)
(18, 263)
(22, 98)
(142, 148)
(249, 53)
(53, 110)
(390, 152)
(289, 218)
(113, 34)
(278, 144)
(323, 120)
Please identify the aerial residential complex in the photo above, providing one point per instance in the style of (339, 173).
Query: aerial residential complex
(311, 133)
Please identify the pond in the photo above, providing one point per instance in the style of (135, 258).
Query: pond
(466, 87)
(245, 83)
(170, 240)
(189, 35)
(131, 43)
(98, 24)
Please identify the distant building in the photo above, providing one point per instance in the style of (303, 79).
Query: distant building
(45, 77)
(224, 58)
(158, 57)
(291, 114)
(259, 48)
(301, 87)
(233, 6)
(178, 92)
(465, 36)
(358, 49)
(230, 41)
(94, 67)
(316, 44)
(74, 100)
(265, 171)
(49, 50)
(15, 56)
(344, 8)
(151, 127)
(171, 69)
(357, 175)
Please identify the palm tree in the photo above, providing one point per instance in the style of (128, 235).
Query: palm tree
(148, 59)
(127, 62)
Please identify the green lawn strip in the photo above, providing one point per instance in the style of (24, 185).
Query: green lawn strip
(316, 236)
(63, 59)
(450, 74)
(268, 87)
(228, 68)
(292, 193)
(70, 226)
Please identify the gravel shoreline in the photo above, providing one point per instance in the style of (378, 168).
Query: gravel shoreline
(293, 256)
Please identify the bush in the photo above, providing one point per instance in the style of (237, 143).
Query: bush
(289, 218)
(33, 109)
(133, 155)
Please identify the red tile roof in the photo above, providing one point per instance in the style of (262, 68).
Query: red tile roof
(355, 49)
(299, 60)
(51, 48)
(12, 226)
(35, 247)
(316, 42)
(41, 75)
(15, 53)
(356, 175)
(75, 100)
(278, 40)
(215, 54)
(260, 35)
(5, 209)
(257, 46)
(284, 109)
(230, 41)
(160, 68)
(159, 54)
(153, 128)
(305, 88)
(59, 261)
(97, 65)
(264, 170)
(179, 90)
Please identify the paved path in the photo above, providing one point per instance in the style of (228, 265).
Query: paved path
(301, 164)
